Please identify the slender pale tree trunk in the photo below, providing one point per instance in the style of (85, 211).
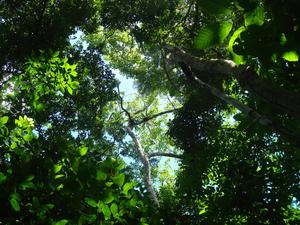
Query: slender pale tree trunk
(147, 167)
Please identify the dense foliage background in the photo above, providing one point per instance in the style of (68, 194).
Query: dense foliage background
(216, 95)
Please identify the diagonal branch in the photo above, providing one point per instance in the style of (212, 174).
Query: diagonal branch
(278, 97)
(171, 155)
(290, 136)
(146, 119)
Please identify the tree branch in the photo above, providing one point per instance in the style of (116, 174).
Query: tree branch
(290, 136)
(278, 97)
(147, 167)
(146, 119)
(171, 155)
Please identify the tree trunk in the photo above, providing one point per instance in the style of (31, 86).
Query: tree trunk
(279, 98)
(145, 160)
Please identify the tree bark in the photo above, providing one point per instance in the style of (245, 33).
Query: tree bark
(286, 101)
(145, 160)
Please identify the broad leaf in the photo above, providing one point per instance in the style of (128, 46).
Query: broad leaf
(83, 151)
(91, 202)
(114, 209)
(101, 175)
(14, 204)
(291, 56)
(255, 17)
(3, 120)
(119, 179)
(212, 35)
(238, 59)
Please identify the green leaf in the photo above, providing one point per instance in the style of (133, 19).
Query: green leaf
(101, 175)
(26, 185)
(14, 204)
(105, 210)
(2, 177)
(58, 176)
(119, 179)
(38, 106)
(28, 137)
(83, 151)
(62, 222)
(114, 209)
(108, 184)
(74, 84)
(133, 202)
(236, 58)
(91, 202)
(73, 73)
(73, 67)
(70, 90)
(57, 168)
(212, 35)
(255, 17)
(291, 56)
(128, 186)
(3, 120)
(216, 7)
(108, 198)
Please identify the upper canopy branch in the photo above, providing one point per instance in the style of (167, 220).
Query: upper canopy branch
(281, 99)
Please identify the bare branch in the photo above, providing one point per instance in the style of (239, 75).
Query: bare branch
(145, 160)
(171, 155)
(146, 119)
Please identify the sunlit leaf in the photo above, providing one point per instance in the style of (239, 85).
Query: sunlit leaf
(57, 168)
(62, 222)
(91, 202)
(128, 186)
(83, 151)
(291, 56)
(109, 197)
(3, 120)
(114, 209)
(212, 35)
(119, 179)
(237, 58)
(255, 17)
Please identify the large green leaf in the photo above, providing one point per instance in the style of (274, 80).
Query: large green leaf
(91, 202)
(238, 59)
(108, 198)
(255, 17)
(14, 202)
(212, 35)
(119, 179)
(105, 210)
(114, 209)
(3, 120)
(128, 186)
(291, 56)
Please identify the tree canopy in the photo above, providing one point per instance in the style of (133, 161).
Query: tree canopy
(216, 94)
